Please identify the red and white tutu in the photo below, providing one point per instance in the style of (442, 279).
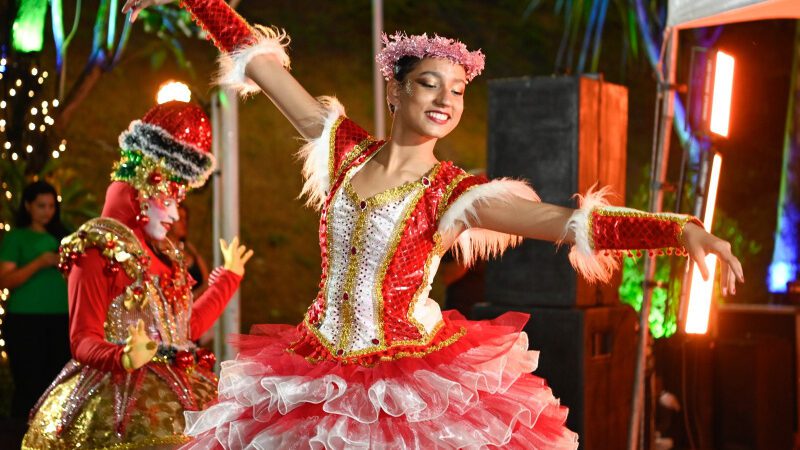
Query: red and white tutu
(476, 393)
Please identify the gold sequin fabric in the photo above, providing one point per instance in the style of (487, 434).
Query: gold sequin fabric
(155, 420)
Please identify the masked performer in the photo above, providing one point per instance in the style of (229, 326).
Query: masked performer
(135, 369)
(376, 364)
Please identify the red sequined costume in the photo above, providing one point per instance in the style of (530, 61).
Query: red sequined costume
(114, 280)
(375, 363)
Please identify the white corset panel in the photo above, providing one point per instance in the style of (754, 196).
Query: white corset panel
(362, 238)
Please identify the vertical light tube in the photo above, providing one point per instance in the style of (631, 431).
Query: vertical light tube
(723, 89)
(702, 291)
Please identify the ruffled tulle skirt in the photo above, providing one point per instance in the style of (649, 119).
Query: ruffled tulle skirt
(476, 393)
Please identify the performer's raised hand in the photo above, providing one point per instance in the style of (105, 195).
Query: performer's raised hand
(136, 6)
(699, 243)
(235, 256)
(139, 348)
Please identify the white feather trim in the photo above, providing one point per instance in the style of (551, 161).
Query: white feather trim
(477, 243)
(316, 154)
(269, 41)
(593, 266)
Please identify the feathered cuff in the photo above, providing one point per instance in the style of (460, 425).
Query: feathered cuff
(603, 233)
(237, 40)
(474, 242)
(265, 41)
(316, 154)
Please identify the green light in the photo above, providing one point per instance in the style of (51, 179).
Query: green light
(28, 27)
(663, 309)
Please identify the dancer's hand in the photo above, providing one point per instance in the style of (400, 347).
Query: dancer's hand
(136, 6)
(235, 255)
(699, 243)
(139, 348)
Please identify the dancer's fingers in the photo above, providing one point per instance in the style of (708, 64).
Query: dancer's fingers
(247, 256)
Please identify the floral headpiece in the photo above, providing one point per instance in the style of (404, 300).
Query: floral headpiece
(399, 45)
(166, 153)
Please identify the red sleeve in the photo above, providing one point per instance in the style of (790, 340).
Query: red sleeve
(349, 140)
(208, 307)
(90, 293)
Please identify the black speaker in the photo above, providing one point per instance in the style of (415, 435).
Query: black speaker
(563, 135)
(587, 356)
(755, 379)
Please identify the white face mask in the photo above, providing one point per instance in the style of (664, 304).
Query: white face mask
(162, 214)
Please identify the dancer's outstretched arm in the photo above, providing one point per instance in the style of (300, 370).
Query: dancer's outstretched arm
(597, 230)
(255, 52)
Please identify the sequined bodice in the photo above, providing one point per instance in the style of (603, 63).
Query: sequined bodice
(161, 298)
(363, 238)
(166, 317)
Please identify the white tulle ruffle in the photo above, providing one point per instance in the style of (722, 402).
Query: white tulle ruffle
(485, 397)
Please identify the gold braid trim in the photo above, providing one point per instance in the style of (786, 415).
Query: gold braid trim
(448, 192)
(115, 241)
(332, 148)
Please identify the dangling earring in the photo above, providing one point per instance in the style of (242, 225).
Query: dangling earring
(392, 108)
(143, 218)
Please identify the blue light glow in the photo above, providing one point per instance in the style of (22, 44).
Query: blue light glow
(780, 273)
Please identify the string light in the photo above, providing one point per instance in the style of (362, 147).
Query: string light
(36, 120)
(3, 299)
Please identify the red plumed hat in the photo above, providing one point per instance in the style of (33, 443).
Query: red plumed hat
(178, 136)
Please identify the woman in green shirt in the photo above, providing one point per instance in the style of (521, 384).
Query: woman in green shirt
(36, 324)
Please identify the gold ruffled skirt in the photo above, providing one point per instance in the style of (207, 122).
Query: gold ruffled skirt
(154, 420)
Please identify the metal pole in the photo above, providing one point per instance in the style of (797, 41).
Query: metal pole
(216, 206)
(666, 96)
(227, 203)
(377, 79)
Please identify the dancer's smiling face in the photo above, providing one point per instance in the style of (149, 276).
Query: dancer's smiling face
(429, 99)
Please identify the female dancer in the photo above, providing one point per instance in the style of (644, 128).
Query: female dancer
(375, 363)
(135, 368)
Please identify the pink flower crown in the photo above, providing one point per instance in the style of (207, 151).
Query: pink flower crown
(399, 45)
